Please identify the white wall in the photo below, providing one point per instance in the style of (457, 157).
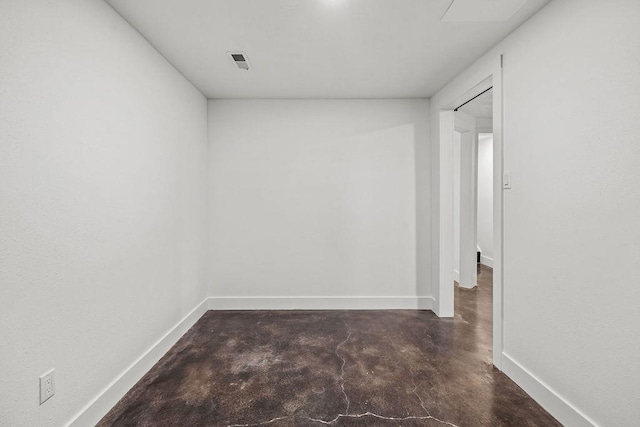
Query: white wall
(485, 197)
(314, 198)
(571, 229)
(457, 139)
(485, 200)
(102, 196)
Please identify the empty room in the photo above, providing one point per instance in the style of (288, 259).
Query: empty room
(319, 212)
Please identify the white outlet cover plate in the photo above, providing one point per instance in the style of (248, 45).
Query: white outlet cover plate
(47, 390)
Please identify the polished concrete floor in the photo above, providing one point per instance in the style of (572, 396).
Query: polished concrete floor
(345, 368)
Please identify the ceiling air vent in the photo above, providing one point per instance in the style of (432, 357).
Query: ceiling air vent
(240, 59)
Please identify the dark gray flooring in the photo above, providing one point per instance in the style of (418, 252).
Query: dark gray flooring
(309, 368)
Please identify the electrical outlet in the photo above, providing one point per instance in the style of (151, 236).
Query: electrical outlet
(47, 388)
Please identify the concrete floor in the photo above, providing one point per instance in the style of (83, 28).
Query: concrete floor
(309, 368)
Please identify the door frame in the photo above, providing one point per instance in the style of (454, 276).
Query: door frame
(494, 79)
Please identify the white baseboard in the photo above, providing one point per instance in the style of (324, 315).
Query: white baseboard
(111, 394)
(321, 303)
(555, 404)
(456, 276)
(485, 260)
(107, 398)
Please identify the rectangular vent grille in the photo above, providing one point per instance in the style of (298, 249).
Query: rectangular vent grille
(240, 59)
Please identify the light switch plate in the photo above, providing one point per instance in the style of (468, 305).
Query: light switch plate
(506, 180)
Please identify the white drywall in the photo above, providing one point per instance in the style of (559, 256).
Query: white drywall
(102, 195)
(485, 200)
(468, 194)
(314, 198)
(457, 137)
(571, 229)
(485, 197)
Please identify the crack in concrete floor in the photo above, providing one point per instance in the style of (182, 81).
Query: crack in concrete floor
(276, 368)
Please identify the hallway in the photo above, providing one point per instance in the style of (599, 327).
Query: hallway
(286, 368)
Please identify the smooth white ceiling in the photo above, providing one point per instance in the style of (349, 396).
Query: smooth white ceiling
(482, 10)
(316, 48)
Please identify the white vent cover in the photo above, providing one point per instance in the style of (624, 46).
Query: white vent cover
(240, 59)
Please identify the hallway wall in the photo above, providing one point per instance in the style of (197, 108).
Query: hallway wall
(316, 200)
(485, 198)
(571, 229)
(457, 151)
(102, 194)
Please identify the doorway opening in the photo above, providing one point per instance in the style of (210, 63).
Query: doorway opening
(473, 189)
(467, 129)
(473, 214)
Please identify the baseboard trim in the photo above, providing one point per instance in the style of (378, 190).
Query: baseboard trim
(549, 399)
(111, 394)
(321, 303)
(485, 260)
